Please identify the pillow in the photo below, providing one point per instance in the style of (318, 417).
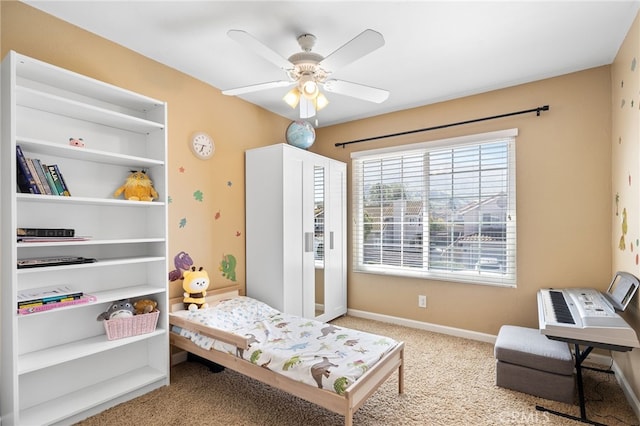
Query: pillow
(231, 314)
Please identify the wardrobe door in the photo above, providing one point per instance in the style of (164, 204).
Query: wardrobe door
(334, 291)
(304, 285)
(320, 185)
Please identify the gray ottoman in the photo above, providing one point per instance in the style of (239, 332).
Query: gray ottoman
(529, 362)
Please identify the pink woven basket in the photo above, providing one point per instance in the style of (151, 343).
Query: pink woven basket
(118, 328)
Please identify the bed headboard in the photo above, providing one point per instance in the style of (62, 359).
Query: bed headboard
(176, 303)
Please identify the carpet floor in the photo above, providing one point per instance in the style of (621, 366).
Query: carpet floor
(448, 381)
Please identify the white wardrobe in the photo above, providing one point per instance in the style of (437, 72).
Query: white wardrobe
(296, 231)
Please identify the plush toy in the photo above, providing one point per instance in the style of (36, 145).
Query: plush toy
(118, 309)
(138, 187)
(145, 306)
(76, 142)
(195, 286)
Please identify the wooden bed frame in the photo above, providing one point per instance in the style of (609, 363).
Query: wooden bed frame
(345, 404)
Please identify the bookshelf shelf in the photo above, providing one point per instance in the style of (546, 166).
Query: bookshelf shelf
(31, 73)
(85, 154)
(126, 292)
(45, 106)
(40, 198)
(90, 242)
(105, 297)
(39, 360)
(66, 107)
(74, 403)
(100, 263)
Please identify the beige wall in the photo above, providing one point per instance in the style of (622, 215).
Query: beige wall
(625, 143)
(564, 172)
(192, 106)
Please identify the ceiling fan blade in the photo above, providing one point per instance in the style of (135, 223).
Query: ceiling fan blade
(360, 91)
(258, 47)
(256, 87)
(363, 44)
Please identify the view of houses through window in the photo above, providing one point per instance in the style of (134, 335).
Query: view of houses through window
(443, 210)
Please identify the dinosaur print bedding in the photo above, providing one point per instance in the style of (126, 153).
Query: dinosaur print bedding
(302, 349)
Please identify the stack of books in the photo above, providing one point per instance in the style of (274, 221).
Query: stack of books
(47, 298)
(37, 178)
(47, 235)
(41, 262)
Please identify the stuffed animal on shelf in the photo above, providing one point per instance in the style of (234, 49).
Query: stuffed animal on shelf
(137, 187)
(195, 286)
(76, 142)
(118, 309)
(145, 306)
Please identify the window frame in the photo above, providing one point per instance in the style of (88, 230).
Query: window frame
(507, 278)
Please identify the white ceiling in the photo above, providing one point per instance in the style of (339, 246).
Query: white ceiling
(434, 50)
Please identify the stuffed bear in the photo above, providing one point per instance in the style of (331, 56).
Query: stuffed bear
(118, 309)
(195, 286)
(144, 306)
(138, 187)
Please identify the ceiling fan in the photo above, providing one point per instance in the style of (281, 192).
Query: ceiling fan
(308, 71)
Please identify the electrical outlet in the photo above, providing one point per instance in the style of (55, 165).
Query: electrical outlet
(422, 301)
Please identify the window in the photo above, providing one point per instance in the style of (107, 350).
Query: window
(438, 210)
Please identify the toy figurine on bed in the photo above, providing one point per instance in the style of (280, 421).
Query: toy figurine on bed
(195, 286)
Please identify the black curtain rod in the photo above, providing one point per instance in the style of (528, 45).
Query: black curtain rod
(536, 110)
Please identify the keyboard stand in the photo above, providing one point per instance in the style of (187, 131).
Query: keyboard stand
(580, 356)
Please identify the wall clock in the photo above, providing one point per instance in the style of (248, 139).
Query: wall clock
(202, 145)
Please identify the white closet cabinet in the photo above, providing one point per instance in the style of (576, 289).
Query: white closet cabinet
(58, 366)
(295, 231)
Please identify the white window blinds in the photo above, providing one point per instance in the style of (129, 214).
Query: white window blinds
(439, 210)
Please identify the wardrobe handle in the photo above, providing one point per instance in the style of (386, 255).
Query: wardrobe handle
(331, 240)
(308, 242)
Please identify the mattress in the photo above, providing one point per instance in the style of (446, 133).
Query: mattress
(305, 350)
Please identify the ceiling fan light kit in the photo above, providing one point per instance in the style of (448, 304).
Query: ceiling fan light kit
(292, 97)
(310, 89)
(309, 71)
(308, 105)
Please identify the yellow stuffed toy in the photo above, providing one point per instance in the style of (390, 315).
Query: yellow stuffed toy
(195, 284)
(138, 187)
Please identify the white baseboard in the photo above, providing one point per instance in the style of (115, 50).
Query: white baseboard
(626, 388)
(442, 329)
(489, 338)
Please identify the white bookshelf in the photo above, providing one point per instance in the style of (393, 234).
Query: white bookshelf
(42, 107)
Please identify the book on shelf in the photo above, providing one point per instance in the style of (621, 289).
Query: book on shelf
(64, 183)
(87, 298)
(41, 262)
(51, 239)
(57, 180)
(43, 294)
(37, 165)
(26, 181)
(49, 300)
(36, 176)
(23, 183)
(45, 232)
(49, 178)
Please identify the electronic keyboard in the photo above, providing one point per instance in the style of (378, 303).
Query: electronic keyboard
(585, 316)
